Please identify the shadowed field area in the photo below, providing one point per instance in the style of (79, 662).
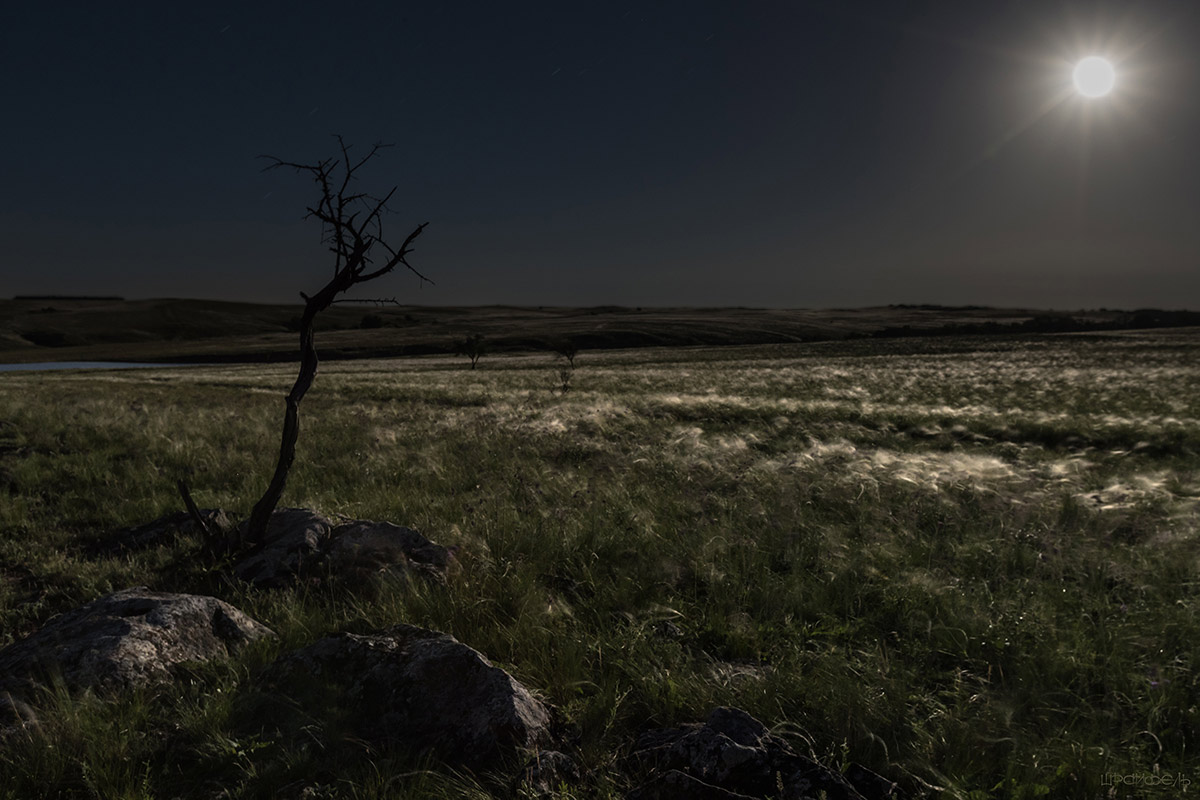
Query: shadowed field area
(967, 563)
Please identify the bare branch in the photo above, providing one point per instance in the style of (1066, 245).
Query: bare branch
(381, 205)
(375, 148)
(192, 510)
(398, 257)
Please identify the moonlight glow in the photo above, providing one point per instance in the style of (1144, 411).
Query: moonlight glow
(1094, 77)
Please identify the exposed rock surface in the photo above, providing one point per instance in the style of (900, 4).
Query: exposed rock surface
(296, 540)
(129, 638)
(421, 689)
(362, 546)
(302, 542)
(732, 756)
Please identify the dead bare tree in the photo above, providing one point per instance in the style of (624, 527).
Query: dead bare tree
(352, 227)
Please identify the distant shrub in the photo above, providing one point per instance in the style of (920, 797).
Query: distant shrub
(371, 321)
(472, 347)
(565, 373)
(567, 349)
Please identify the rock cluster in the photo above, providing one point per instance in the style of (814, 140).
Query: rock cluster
(404, 686)
(300, 542)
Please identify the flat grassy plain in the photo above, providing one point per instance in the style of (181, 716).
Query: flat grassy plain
(970, 564)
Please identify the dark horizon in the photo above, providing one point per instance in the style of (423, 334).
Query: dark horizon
(781, 155)
(398, 303)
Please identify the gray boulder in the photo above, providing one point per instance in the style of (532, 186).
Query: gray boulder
(130, 638)
(420, 689)
(296, 540)
(370, 547)
(732, 755)
(301, 543)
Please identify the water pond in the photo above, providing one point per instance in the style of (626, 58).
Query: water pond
(45, 365)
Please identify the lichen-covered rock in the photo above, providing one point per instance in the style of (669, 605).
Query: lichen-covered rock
(420, 689)
(300, 542)
(296, 539)
(733, 755)
(130, 638)
(365, 547)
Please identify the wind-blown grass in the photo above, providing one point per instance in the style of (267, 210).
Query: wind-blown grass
(970, 565)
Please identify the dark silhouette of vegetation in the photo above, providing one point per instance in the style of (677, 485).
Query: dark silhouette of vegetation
(565, 373)
(352, 226)
(567, 349)
(371, 321)
(472, 347)
(1049, 323)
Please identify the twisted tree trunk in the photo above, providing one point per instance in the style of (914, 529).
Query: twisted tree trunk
(291, 427)
(352, 238)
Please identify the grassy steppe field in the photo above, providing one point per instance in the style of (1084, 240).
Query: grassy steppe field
(970, 564)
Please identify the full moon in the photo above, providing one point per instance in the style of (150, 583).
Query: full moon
(1094, 77)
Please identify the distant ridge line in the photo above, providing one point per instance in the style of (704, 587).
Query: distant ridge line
(66, 297)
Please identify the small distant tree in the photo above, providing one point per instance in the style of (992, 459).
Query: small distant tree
(352, 227)
(567, 349)
(472, 347)
(566, 371)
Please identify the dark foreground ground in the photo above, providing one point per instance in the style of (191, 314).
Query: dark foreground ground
(168, 330)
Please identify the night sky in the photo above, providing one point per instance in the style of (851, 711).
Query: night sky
(778, 154)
